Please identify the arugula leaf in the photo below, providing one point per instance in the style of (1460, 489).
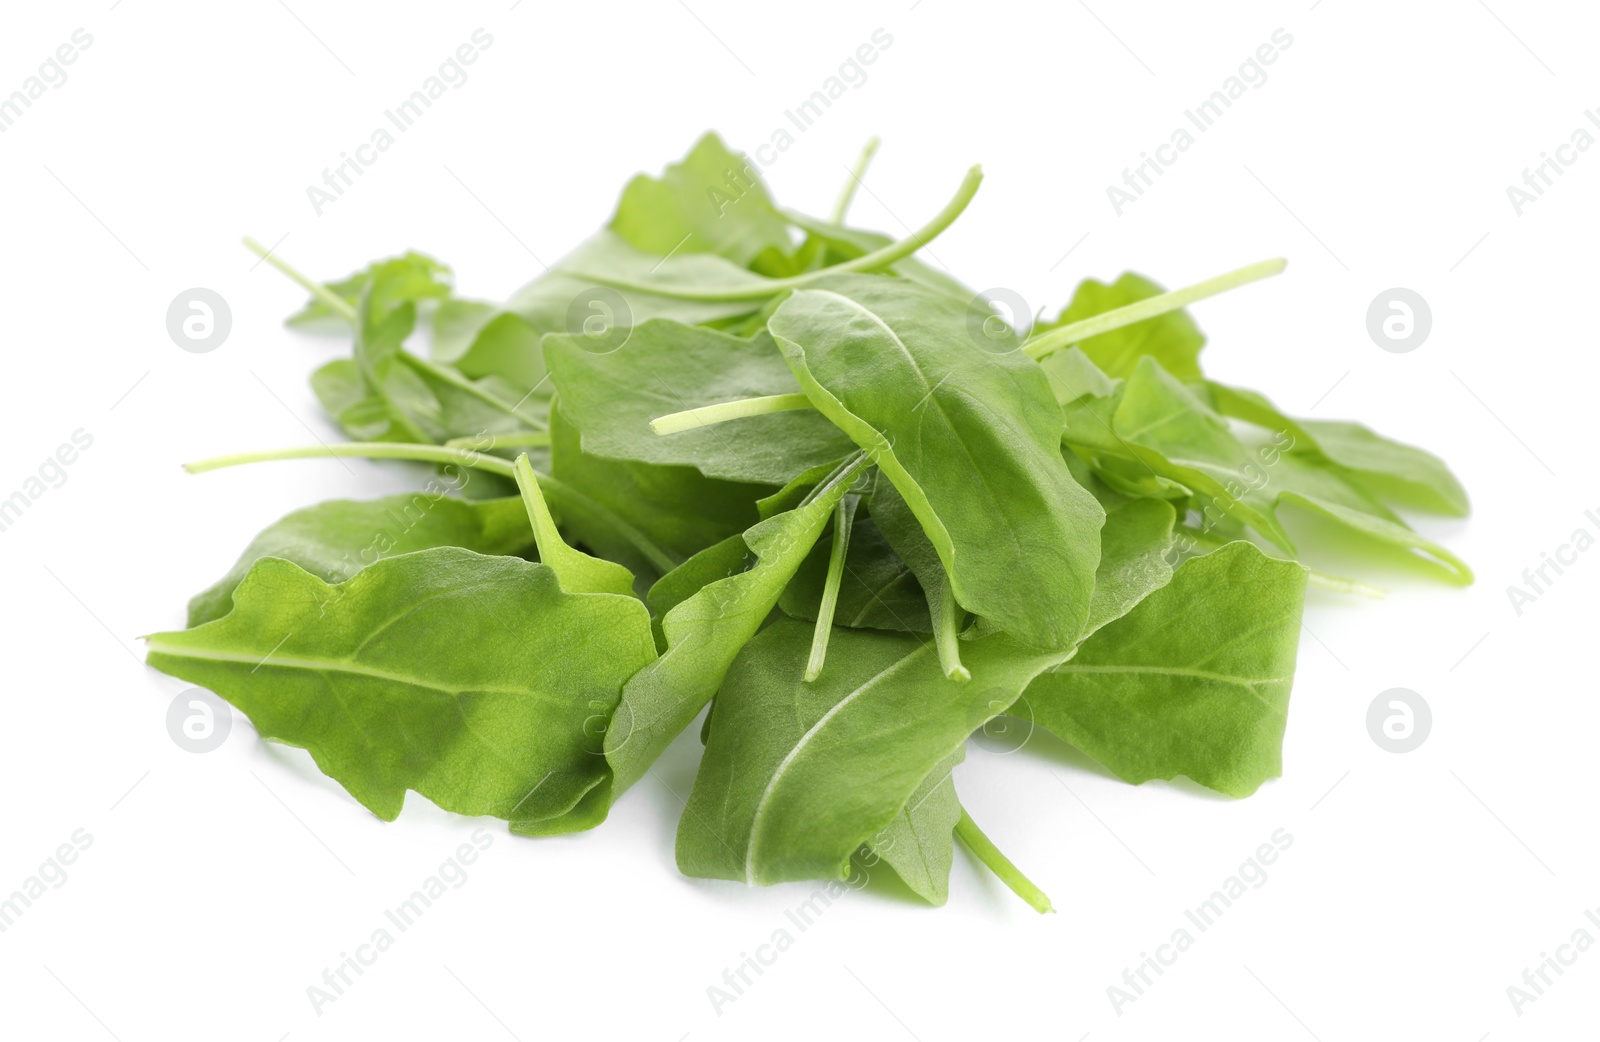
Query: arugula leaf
(878, 590)
(336, 539)
(918, 844)
(1171, 339)
(711, 202)
(1382, 467)
(1194, 680)
(667, 367)
(575, 570)
(797, 776)
(704, 632)
(411, 277)
(369, 676)
(674, 512)
(970, 439)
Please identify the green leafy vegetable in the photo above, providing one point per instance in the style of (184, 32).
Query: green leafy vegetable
(778, 471)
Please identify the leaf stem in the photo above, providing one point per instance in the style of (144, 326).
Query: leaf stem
(983, 847)
(843, 519)
(1050, 342)
(337, 304)
(848, 193)
(362, 450)
(946, 639)
(877, 259)
(465, 386)
(689, 419)
(513, 440)
(565, 496)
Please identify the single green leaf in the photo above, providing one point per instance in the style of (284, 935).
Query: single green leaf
(796, 776)
(919, 843)
(677, 510)
(667, 367)
(968, 437)
(475, 681)
(1381, 466)
(705, 632)
(711, 202)
(411, 276)
(1194, 680)
(336, 539)
(1171, 339)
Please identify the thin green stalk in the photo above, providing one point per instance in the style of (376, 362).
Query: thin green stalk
(1046, 344)
(946, 639)
(983, 847)
(337, 304)
(689, 419)
(461, 383)
(843, 519)
(848, 193)
(877, 259)
(564, 495)
(362, 450)
(514, 440)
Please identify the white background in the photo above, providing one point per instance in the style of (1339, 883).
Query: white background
(1377, 154)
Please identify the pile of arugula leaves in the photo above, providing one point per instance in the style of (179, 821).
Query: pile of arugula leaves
(726, 454)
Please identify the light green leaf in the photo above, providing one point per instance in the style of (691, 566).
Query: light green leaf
(575, 570)
(1194, 680)
(711, 202)
(475, 681)
(706, 631)
(797, 776)
(1171, 339)
(919, 844)
(970, 439)
(336, 539)
(667, 367)
(411, 277)
(1381, 466)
